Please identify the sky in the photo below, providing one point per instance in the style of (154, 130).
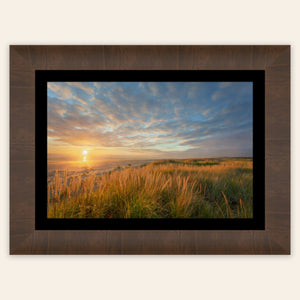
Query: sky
(149, 120)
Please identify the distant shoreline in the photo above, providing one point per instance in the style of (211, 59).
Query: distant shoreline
(101, 167)
(152, 159)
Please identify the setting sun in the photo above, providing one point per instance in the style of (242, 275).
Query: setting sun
(84, 152)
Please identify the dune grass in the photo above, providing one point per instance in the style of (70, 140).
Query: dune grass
(192, 188)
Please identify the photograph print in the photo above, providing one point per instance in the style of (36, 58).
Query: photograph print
(149, 150)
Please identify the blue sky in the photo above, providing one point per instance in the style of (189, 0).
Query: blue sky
(149, 119)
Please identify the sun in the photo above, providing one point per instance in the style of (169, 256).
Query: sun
(84, 153)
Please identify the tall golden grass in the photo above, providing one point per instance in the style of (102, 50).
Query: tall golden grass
(194, 188)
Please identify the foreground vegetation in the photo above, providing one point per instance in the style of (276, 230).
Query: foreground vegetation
(193, 188)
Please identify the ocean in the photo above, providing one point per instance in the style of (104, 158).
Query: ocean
(97, 166)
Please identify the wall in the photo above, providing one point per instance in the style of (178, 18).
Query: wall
(149, 22)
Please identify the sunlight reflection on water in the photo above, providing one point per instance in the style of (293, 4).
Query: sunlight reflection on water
(99, 166)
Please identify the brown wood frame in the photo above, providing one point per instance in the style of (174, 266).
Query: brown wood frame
(275, 60)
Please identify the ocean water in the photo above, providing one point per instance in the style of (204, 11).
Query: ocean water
(84, 167)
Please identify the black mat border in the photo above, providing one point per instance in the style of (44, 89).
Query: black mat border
(258, 79)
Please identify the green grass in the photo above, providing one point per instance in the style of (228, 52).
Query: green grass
(193, 188)
(187, 162)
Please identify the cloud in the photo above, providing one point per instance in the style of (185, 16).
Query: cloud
(62, 91)
(206, 112)
(80, 100)
(225, 84)
(168, 119)
(86, 87)
(217, 95)
(154, 88)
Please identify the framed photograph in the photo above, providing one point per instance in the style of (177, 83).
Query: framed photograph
(150, 149)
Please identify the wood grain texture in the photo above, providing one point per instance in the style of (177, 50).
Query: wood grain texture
(24, 60)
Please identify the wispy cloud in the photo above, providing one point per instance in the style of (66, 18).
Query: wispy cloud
(62, 91)
(86, 87)
(225, 84)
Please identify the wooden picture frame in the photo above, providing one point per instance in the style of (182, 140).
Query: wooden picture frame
(274, 60)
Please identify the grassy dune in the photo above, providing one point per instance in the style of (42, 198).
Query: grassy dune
(192, 188)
